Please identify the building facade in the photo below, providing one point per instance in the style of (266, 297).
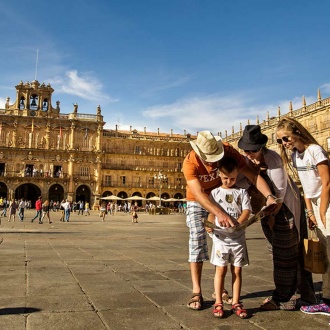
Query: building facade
(315, 117)
(71, 156)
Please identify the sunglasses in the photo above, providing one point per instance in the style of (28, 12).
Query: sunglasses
(251, 151)
(284, 138)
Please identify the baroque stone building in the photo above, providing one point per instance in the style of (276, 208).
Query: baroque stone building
(56, 155)
(315, 117)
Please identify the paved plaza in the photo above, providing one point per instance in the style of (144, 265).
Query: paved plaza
(89, 274)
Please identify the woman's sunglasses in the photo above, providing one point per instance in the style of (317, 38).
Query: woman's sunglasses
(251, 151)
(284, 138)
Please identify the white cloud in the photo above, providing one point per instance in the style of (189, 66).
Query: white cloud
(2, 103)
(325, 88)
(217, 113)
(83, 85)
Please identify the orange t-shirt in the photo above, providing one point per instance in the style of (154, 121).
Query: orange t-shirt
(194, 168)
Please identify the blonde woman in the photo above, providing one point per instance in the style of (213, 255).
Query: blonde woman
(45, 210)
(312, 164)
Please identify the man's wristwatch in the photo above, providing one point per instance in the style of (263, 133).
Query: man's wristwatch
(271, 196)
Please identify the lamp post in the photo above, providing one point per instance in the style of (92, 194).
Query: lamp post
(161, 177)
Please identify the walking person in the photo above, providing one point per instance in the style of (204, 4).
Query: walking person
(21, 209)
(87, 209)
(200, 168)
(284, 229)
(45, 210)
(134, 213)
(229, 247)
(38, 206)
(4, 210)
(12, 210)
(81, 207)
(62, 210)
(67, 209)
(103, 210)
(312, 164)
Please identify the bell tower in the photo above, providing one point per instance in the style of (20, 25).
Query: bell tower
(33, 99)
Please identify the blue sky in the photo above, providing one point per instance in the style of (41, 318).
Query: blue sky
(169, 64)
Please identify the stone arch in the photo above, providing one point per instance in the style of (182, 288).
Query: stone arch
(56, 193)
(107, 193)
(29, 192)
(3, 190)
(83, 193)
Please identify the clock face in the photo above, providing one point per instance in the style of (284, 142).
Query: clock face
(32, 113)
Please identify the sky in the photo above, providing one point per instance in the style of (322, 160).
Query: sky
(185, 65)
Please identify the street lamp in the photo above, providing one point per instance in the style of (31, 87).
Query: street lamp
(161, 177)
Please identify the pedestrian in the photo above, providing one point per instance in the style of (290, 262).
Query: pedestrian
(200, 168)
(81, 207)
(45, 210)
(229, 247)
(38, 206)
(284, 229)
(134, 213)
(87, 209)
(312, 164)
(12, 210)
(103, 210)
(4, 210)
(21, 209)
(67, 209)
(62, 210)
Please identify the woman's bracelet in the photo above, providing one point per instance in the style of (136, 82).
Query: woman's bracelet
(309, 213)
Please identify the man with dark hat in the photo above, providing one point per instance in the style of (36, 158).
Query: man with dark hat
(200, 169)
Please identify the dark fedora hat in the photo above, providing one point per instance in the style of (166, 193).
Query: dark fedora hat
(252, 138)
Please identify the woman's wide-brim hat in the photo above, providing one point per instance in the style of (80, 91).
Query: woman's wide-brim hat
(252, 138)
(208, 147)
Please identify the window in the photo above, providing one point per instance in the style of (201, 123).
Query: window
(84, 171)
(123, 179)
(137, 150)
(107, 180)
(151, 182)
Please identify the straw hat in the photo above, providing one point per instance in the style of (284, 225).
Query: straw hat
(208, 147)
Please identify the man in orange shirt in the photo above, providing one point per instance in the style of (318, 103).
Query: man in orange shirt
(200, 168)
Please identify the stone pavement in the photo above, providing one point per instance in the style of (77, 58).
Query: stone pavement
(88, 274)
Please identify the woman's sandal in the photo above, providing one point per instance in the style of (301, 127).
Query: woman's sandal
(239, 311)
(218, 311)
(269, 305)
(196, 302)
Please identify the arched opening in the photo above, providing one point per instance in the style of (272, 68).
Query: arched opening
(34, 102)
(3, 190)
(28, 191)
(56, 193)
(83, 193)
(122, 194)
(107, 193)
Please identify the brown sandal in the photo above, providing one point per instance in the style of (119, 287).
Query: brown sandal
(269, 305)
(196, 302)
(218, 311)
(239, 311)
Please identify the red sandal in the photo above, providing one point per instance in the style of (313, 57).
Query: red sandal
(239, 311)
(218, 311)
